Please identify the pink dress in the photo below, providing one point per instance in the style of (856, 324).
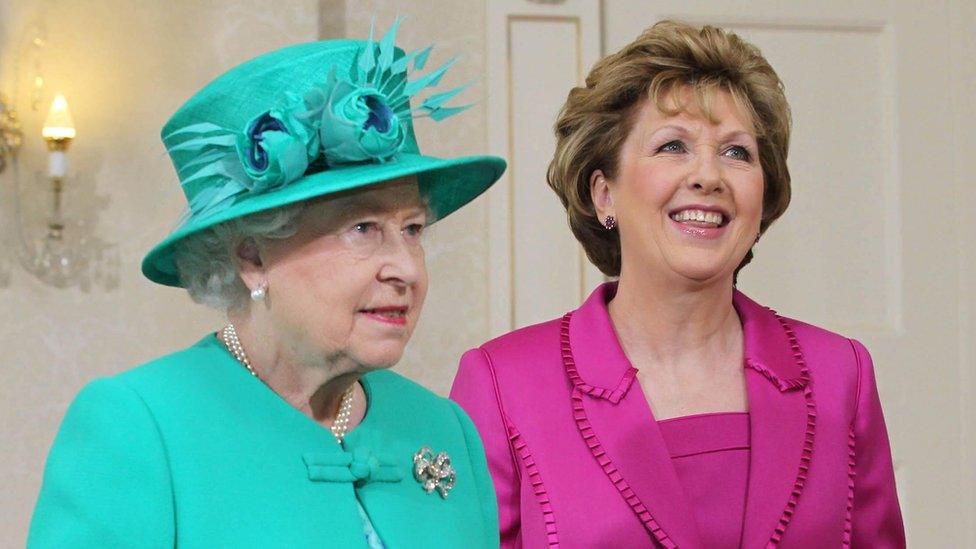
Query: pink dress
(710, 454)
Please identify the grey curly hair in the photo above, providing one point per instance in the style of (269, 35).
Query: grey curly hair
(205, 261)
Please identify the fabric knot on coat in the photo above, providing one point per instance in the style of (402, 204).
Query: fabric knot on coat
(359, 466)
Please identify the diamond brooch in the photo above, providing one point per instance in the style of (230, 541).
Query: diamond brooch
(434, 472)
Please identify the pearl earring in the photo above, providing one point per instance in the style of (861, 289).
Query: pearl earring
(257, 294)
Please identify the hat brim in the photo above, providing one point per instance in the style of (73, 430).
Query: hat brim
(447, 184)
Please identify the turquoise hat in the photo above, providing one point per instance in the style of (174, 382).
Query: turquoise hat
(308, 121)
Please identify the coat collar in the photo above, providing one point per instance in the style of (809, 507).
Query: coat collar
(605, 372)
(619, 428)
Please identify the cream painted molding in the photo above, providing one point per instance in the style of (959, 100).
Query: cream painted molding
(963, 53)
(515, 231)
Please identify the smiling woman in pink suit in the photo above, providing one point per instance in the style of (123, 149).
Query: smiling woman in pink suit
(670, 410)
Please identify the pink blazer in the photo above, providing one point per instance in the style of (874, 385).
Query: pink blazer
(578, 460)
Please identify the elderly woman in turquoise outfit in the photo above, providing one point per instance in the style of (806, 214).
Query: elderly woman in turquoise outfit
(308, 197)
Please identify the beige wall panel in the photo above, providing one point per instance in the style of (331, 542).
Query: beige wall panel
(845, 209)
(537, 52)
(544, 58)
(962, 56)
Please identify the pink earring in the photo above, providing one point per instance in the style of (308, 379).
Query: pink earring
(610, 223)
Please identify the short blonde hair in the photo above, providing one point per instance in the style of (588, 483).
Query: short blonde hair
(596, 119)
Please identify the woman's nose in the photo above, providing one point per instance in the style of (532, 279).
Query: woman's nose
(707, 175)
(401, 261)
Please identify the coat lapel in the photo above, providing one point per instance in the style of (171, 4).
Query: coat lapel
(618, 427)
(782, 422)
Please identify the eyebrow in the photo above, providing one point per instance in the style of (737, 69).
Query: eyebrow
(737, 133)
(724, 137)
(368, 206)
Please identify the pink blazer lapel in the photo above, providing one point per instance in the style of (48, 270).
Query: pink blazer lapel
(783, 422)
(618, 426)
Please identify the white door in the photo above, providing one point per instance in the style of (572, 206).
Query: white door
(537, 51)
(873, 243)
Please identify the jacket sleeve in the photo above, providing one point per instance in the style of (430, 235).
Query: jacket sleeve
(874, 516)
(486, 491)
(476, 391)
(106, 482)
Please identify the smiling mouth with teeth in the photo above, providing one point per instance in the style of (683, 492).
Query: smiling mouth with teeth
(700, 218)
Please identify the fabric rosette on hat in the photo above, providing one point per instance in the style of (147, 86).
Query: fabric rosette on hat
(359, 124)
(277, 147)
(307, 121)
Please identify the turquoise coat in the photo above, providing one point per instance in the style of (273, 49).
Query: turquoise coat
(190, 450)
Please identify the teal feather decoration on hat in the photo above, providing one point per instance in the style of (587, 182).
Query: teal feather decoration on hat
(342, 121)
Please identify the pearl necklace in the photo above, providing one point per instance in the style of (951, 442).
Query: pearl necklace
(339, 427)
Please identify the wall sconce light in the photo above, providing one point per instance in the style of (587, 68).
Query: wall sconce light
(64, 252)
(59, 130)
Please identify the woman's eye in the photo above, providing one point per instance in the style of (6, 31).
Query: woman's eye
(738, 152)
(365, 227)
(672, 147)
(414, 229)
